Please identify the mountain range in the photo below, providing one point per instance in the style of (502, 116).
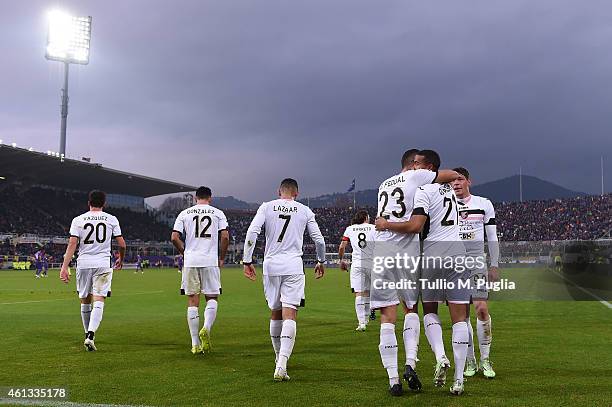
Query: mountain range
(502, 190)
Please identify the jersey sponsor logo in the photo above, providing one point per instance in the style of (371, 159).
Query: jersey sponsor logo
(444, 189)
(467, 236)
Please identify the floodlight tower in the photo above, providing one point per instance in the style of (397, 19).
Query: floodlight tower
(68, 41)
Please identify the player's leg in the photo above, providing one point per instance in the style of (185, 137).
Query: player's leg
(471, 366)
(193, 288)
(433, 332)
(271, 285)
(211, 287)
(86, 311)
(388, 347)
(38, 269)
(411, 334)
(101, 279)
(458, 314)
(358, 287)
(485, 336)
(291, 297)
(360, 311)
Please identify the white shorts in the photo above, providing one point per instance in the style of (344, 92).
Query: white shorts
(284, 291)
(96, 281)
(360, 279)
(205, 280)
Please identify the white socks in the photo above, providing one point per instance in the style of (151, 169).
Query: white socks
(483, 329)
(433, 331)
(85, 314)
(275, 334)
(193, 320)
(471, 353)
(96, 316)
(366, 303)
(412, 331)
(460, 344)
(287, 340)
(210, 314)
(360, 309)
(388, 351)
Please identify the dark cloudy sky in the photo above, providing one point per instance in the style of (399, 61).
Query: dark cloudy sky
(239, 94)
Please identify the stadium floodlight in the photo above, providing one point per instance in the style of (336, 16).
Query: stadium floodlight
(68, 41)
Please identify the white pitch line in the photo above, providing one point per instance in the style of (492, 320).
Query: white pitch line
(584, 290)
(72, 298)
(57, 403)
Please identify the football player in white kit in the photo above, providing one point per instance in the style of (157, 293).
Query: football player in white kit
(204, 228)
(285, 221)
(360, 234)
(477, 219)
(93, 232)
(395, 203)
(435, 217)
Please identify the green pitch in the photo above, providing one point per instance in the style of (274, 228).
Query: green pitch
(545, 353)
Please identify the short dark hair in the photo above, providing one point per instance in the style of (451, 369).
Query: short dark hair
(203, 193)
(97, 198)
(289, 183)
(431, 157)
(463, 172)
(408, 157)
(360, 217)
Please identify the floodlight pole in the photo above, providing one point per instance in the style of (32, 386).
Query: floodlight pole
(64, 113)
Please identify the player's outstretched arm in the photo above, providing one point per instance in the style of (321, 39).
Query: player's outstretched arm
(445, 176)
(72, 244)
(414, 225)
(122, 246)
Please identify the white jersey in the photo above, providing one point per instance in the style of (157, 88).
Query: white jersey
(395, 201)
(285, 221)
(95, 230)
(475, 212)
(200, 226)
(361, 237)
(441, 232)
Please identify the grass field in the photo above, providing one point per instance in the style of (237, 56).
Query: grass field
(545, 353)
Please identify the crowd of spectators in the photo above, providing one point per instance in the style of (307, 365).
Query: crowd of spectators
(49, 212)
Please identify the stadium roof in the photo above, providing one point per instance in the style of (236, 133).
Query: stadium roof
(18, 165)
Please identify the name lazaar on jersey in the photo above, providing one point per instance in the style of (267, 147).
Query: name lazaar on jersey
(285, 209)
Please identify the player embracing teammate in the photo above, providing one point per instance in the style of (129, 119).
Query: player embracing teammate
(284, 221)
(395, 205)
